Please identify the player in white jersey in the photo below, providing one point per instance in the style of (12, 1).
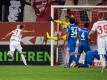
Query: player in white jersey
(101, 27)
(16, 36)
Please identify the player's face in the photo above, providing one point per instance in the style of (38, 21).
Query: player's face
(67, 19)
(23, 28)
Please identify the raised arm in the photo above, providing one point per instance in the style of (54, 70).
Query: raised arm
(7, 35)
(28, 31)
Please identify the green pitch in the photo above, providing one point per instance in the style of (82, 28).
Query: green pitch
(50, 73)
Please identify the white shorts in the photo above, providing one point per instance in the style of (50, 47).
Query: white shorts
(15, 45)
(102, 45)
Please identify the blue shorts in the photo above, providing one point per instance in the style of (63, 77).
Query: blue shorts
(71, 45)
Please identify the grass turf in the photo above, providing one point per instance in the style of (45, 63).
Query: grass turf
(50, 73)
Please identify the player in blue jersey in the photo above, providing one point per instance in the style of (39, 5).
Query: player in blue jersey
(72, 31)
(89, 58)
(90, 55)
(84, 42)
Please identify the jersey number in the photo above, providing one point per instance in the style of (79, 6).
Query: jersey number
(74, 32)
(102, 29)
(83, 36)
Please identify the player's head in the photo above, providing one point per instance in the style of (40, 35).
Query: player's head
(72, 20)
(22, 26)
(86, 25)
(67, 18)
(100, 15)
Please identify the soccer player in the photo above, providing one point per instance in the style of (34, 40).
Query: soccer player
(89, 58)
(84, 42)
(72, 31)
(101, 27)
(16, 36)
(65, 22)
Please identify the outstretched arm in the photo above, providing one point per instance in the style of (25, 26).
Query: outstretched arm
(7, 35)
(28, 31)
(61, 22)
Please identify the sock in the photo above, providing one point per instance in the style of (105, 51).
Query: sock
(72, 58)
(23, 59)
(78, 57)
(75, 59)
(103, 62)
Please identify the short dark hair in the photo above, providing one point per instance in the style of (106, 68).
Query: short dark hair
(100, 15)
(22, 26)
(86, 25)
(67, 17)
(72, 20)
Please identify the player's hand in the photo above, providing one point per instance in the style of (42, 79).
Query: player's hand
(51, 19)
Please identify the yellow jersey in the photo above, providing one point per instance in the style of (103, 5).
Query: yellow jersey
(65, 23)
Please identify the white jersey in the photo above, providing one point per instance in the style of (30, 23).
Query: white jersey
(101, 28)
(16, 35)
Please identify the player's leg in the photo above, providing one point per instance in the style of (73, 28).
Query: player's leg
(90, 55)
(12, 49)
(103, 63)
(72, 56)
(79, 52)
(86, 48)
(89, 59)
(19, 48)
(10, 53)
(102, 52)
(66, 56)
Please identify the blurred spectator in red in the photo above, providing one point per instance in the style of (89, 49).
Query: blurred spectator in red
(103, 2)
(42, 8)
(75, 2)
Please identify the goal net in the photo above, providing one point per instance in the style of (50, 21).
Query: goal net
(82, 14)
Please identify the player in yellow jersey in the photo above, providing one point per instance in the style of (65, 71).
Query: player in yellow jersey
(63, 22)
(56, 38)
(64, 36)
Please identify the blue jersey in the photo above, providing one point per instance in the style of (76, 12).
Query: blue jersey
(90, 55)
(72, 30)
(84, 43)
(84, 36)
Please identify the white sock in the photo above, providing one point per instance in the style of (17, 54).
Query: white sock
(23, 59)
(103, 62)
